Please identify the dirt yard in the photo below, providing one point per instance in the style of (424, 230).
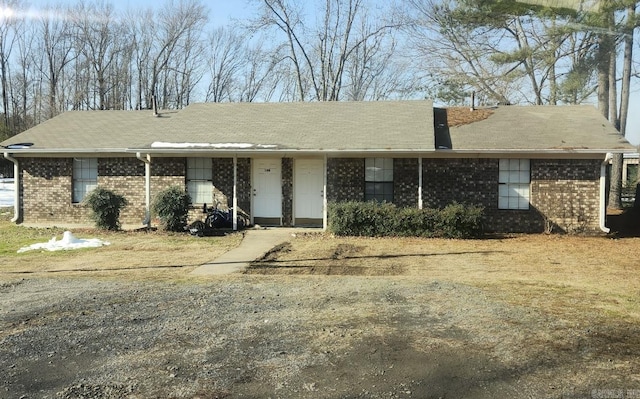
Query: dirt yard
(324, 317)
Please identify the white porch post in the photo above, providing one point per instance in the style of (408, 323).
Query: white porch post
(420, 183)
(147, 187)
(324, 194)
(235, 193)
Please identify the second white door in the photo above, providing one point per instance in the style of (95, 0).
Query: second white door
(309, 182)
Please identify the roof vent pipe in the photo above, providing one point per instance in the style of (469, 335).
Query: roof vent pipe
(154, 105)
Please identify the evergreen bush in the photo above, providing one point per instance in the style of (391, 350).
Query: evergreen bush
(106, 206)
(172, 207)
(372, 219)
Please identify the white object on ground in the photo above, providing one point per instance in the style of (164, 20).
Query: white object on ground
(69, 241)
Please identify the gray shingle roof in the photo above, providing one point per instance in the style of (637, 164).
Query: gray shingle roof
(401, 126)
(570, 128)
(398, 125)
(93, 130)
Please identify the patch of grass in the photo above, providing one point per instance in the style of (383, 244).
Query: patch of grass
(14, 237)
(134, 254)
(561, 274)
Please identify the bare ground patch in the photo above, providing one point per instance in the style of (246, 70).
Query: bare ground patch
(326, 317)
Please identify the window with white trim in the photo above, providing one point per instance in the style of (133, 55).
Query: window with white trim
(200, 180)
(85, 177)
(378, 179)
(514, 179)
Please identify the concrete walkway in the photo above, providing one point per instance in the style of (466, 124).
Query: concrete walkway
(254, 245)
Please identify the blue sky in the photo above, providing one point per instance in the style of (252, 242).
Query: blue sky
(223, 11)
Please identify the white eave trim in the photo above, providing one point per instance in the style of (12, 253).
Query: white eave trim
(400, 152)
(537, 151)
(70, 152)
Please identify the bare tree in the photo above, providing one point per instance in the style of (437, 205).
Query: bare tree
(98, 36)
(259, 76)
(9, 24)
(23, 80)
(176, 25)
(319, 54)
(369, 63)
(56, 50)
(139, 30)
(226, 59)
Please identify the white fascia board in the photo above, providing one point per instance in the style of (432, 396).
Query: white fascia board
(68, 152)
(528, 153)
(331, 152)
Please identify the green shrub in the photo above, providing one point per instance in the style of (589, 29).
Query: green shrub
(106, 206)
(371, 219)
(172, 207)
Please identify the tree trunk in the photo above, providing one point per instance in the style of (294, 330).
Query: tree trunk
(615, 174)
(615, 183)
(603, 58)
(620, 121)
(606, 75)
(626, 68)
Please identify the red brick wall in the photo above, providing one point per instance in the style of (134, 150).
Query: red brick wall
(564, 193)
(47, 186)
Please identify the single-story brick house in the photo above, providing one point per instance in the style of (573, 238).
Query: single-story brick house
(530, 167)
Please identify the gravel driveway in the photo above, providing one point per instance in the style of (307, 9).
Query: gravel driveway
(283, 337)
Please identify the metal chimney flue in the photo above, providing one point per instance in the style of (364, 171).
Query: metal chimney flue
(154, 105)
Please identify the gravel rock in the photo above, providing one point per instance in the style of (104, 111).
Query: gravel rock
(284, 337)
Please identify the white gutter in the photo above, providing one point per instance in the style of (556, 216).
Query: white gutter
(147, 187)
(603, 192)
(16, 184)
(170, 151)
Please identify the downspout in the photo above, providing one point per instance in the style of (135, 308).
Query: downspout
(16, 184)
(603, 192)
(147, 187)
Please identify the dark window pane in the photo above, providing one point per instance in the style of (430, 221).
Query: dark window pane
(369, 188)
(379, 192)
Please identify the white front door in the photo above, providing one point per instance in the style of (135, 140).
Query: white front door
(267, 188)
(309, 182)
